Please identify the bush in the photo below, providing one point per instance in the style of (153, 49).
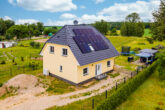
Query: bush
(35, 44)
(123, 93)
(33, 65)
(1, 84)
(3, 62)
(32, 43)
(22, 58)
(150, 40)
(161, 65)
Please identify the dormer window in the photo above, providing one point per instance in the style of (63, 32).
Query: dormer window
(90, 46)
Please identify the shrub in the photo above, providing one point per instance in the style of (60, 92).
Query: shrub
(161, 65)
(122, 93)
(136, 49)
(150, 40)
(32, 43)
(37, 45)
(3, 62)
(33, 65)
(1, 84)
(22, 58)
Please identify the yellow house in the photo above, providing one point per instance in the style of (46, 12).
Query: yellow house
(77, 54)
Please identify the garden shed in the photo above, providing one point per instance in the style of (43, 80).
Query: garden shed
(147, 55)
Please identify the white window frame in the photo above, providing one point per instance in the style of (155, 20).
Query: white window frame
(50, 49)
(85, 74)
(61, 68)
(109, 65)
(64, 52)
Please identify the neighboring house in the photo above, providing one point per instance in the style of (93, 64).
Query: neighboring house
(78, 53)
(5, 44)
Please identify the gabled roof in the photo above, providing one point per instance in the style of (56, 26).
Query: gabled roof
(65, 37)
(150, 51)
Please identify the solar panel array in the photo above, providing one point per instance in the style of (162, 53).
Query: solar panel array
(84, 37)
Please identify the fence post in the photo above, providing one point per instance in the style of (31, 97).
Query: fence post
(106, 94)
(116, 85)
(93, 103)
(137, 70)
(124, 79)
(10, 71)
(23, 69)
(131, 74)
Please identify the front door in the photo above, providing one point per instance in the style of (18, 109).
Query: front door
(98, 69)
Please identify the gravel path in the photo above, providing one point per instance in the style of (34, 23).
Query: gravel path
(33, 102)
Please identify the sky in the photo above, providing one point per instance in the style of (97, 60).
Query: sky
(63, 12)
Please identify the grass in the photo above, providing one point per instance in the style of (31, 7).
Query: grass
(149, 96)
(85, 104)
(113, 75)
(10, 69)
(147, 33)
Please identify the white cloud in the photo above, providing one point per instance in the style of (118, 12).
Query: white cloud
(7, 18)
(119, 11)
(82, 7)
(68, 16)
(99, 1)
(45, 5)
(23, 21)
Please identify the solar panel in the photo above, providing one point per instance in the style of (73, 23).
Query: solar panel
(83, 37)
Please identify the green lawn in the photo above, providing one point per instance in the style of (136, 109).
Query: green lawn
(147, 33)
(14, 65)
(149, 96)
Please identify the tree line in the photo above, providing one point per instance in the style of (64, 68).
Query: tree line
(9, 30)
(134, 26)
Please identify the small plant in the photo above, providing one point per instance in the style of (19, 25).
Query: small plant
(37, 45)
(150, 40)
(13, 60)
(32, 44)
(1, 84)
(22, 59)
(114, 75)
(3, 62)
(33, 65)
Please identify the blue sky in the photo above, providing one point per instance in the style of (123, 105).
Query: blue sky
(61, 12)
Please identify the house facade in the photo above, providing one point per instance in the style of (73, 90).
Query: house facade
(75, 60)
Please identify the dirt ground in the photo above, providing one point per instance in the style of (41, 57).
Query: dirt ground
(32, 98)
(41, 40)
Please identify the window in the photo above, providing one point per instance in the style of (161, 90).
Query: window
(90, 46)
(64, 52)
(60, 68)
(85, 71)
(51, 49)
(108, 63)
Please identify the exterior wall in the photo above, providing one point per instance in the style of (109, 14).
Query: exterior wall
(91, 69)
(52, 62)
(71, 69)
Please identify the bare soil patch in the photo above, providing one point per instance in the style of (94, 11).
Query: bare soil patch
(41, 40)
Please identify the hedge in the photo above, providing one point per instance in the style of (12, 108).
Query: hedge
(124, 92)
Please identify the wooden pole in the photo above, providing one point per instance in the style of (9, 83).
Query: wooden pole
(106, 94)
(93, 103)
(116, 85)
(124, 79)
